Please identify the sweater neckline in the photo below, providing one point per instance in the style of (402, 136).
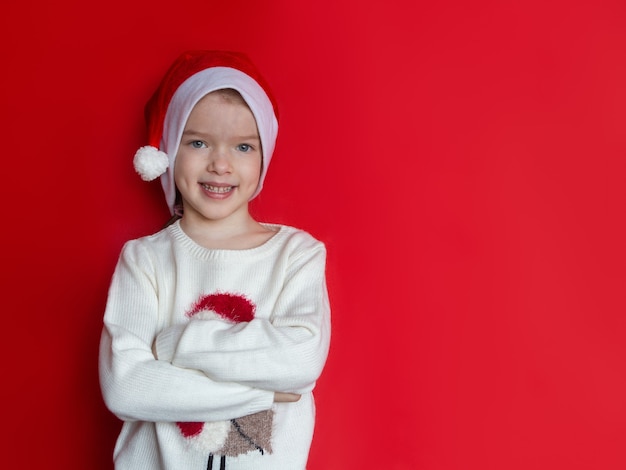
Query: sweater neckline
(179, 235)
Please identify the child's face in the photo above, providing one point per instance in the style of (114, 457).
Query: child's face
(218, 164)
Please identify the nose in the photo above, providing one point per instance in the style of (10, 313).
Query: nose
(219, 162)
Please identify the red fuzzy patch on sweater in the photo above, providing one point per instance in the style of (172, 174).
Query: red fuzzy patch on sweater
(233, 307)
(190, 429)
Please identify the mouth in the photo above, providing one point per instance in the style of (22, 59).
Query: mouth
(217, 189)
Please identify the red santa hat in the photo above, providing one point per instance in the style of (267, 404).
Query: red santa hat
(192, 76)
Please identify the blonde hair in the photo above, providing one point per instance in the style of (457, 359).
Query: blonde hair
(230, 94)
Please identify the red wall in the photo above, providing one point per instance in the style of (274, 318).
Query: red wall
(463, 161)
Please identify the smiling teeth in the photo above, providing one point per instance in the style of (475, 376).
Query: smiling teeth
(217, 189)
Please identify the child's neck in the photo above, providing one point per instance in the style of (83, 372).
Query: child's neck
(227, 235)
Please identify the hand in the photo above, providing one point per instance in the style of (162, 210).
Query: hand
(282, 397)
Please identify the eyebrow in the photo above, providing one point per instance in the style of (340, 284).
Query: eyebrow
(192, 132)
(249, 137)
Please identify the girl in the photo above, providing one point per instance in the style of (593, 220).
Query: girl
(218, 326)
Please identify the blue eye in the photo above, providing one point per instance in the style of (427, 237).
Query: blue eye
(198, 144)
(244, 147)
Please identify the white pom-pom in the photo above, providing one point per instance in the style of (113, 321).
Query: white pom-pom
(150, 162)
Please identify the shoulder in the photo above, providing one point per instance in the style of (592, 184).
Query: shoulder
(297, 238)
(148, 246)
(298, 246)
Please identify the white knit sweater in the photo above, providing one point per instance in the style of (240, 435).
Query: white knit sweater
(161, 364)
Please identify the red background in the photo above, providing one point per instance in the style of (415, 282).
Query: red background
(463, 161)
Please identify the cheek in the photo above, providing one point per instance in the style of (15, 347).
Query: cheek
(256, 169)
(249, 167)
(181, 169)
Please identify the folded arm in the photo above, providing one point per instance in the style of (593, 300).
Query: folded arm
(284, 351)
(137, 386)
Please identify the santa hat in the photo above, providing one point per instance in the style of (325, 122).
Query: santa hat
(192, 76)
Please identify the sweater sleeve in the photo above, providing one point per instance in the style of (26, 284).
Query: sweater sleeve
(136, 386)
(285, 352)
